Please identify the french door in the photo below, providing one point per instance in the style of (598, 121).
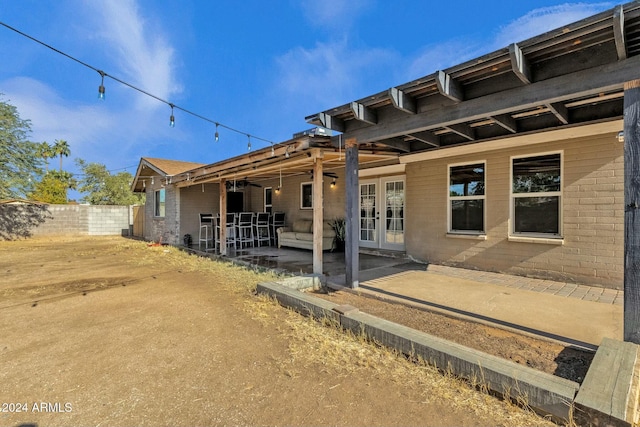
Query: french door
(382, 213)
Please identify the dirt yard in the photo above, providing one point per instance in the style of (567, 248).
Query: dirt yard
(112, 332)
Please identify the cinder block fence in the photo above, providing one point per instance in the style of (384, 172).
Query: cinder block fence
(21, 219)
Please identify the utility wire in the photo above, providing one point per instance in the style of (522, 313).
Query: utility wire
(104, 74)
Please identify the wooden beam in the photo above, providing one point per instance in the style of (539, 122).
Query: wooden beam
(402, 101)
(352, 214)
(560, 111)
(363, 113)
(618, 32)
(580, 84)
(519, 63)
(463, 130)
(632, 212)
(427, 137)
(331, 122)
(397, 143)
(223, 217)
(449, 87)
(506, 121)
(317, 214)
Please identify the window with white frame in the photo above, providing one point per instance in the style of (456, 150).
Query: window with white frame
(466, 198)
(306, 195)
(268, 199)
(536, 192)
(159, 202)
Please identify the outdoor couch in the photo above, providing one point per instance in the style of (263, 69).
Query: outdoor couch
(300, 235)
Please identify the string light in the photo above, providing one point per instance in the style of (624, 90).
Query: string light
(273, 151)
(101, 91)
(248, 142)
(217, 134)
(101, 87)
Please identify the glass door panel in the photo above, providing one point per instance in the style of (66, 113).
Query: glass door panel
(368, 215)
(393, 214)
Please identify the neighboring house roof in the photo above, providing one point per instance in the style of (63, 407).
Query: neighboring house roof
(171, 167)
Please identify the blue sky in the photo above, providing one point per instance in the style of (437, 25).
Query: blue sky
(256, 66)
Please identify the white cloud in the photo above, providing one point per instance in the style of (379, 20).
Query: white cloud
(332, 14)
(330, 73)
(140, 49)
(52, 117)
(440, 56)
(541, 20)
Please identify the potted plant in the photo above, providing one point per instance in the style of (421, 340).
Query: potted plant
(339, 226)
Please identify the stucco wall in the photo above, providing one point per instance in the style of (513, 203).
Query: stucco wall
(592, 215)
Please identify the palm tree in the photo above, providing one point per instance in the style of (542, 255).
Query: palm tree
(46, 152)
(61, 148)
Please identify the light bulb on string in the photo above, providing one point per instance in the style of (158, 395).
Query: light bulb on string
(248, 142)
(217, 135)
(273, 150)
(172, 119)
(101, 90)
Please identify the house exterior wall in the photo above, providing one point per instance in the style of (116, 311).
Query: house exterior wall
(592, 210)
(288, 200)
(201, 198)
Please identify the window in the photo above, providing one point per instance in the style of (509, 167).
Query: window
(268, 199)
(536, 194)
(159, 203)
(306, 195)
(466, 198)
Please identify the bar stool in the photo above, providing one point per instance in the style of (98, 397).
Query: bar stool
(244, 235)
(277, 222)
(261, 227)
(206, 227)
(230, 229)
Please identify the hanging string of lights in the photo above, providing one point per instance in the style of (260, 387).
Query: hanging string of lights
(172, 120)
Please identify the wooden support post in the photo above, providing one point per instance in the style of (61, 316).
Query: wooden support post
(632, 211)
(352, 217)
(223, 217)
(318, 213)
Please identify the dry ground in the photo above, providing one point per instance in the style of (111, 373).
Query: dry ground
(112, 332)
(538, 353)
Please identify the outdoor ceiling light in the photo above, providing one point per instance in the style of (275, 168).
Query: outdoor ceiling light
(620, 136)
(333, 183)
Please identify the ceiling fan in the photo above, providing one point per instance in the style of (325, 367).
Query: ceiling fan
(329, 174)
(240, 184)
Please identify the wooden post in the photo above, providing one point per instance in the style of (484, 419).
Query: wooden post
(632, 211)
(318, 213)
(223, 217)
(352, 217)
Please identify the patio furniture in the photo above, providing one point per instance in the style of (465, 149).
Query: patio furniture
(277, 221)
(244, 228)
(206, 229)
(261, 231)
(231, 232)
(300, 235)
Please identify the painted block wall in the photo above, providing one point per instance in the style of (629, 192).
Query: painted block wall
(88, 220)
(592, 209)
